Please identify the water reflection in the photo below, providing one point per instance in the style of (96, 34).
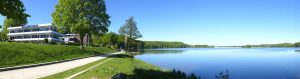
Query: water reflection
(161, 51)
(251, 63)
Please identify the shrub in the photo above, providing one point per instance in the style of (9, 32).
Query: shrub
(46, 41)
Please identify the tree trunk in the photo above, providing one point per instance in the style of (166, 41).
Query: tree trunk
(89, 39)
(126, 43)
(81, 41)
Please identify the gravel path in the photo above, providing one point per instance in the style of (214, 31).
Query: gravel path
(43, 71)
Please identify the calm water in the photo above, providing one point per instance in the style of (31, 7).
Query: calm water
(242, 63)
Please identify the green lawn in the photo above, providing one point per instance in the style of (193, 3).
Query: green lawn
(134, 68)
(14, 54)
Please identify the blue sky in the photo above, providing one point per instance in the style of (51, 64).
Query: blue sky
(213, 22)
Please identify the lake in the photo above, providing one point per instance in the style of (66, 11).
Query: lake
(240, 63)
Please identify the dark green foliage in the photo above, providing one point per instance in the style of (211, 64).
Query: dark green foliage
(12, 54)
(15, 15)
(46, 41)
(160, 51)
(83, 17)
(110, 39)
(116, 41)
(283, 45)
(163, 44)
(3, 36)
(53, 43)
(130, 31)
(135, 45)
(13, 9)
(120, 76)
(10, 23)
(74, 44)
(140, 73)
(297, 44)
(247, 46)
(200, 46)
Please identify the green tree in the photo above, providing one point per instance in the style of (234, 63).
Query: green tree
(10, 23)
(84, 17)
(109, 39)
(130, 31)
(13, 9)
(297, 44)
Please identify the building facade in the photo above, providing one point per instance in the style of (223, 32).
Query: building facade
(34, 33)
(74, 38)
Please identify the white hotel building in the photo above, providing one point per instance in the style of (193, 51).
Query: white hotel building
(34, 33)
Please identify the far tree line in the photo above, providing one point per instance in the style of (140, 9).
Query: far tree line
(297, 44)
(166, 44)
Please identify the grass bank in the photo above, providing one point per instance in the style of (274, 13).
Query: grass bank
(134, 68)
(15, 54)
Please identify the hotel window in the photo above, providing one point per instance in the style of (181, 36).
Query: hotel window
(27, 36)
(19, 37)
(27, 30)
(35, 36)
(36, 29)
(54, 36)
(11, 38)
(44, 29)
(20, 30)
(44, 36)
(12, 31)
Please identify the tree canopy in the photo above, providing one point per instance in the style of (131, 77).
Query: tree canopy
(10, 23)
(83, 17)
(130, 29)
(13, 9)
(131, 32)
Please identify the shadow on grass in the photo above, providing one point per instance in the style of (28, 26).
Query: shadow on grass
(174, 74)
(153, 74)
(120, 56)
(140, 73)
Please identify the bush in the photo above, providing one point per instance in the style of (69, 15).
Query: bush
(46, 41)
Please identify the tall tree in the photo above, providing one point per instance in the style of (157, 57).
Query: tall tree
(130, 31)
(10, 23)
(13, 9)
(83, 17)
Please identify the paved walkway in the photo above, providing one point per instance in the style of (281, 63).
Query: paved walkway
(43, 71)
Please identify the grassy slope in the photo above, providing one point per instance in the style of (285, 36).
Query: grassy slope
(13, 54)
(135, 68)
